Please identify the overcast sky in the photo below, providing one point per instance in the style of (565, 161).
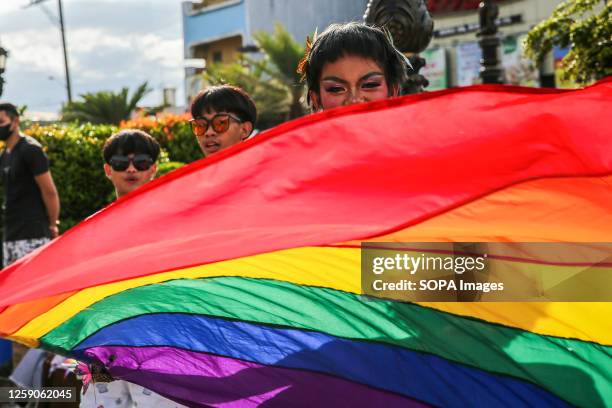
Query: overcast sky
(111, 44)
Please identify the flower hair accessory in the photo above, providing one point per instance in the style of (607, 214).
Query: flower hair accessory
(303, 64)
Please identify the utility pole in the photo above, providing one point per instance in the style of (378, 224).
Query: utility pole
(60, 23)
(61, 20)
(491, 71)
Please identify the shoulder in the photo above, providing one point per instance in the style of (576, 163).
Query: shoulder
(31, 150)
(30, 146)
(29, 143)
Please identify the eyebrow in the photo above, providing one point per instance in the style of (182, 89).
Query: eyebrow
(363, 78)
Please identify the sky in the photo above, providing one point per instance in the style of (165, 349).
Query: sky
(111, 44)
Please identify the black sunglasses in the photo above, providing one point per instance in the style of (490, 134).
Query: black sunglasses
(141, 162)
(220, 123)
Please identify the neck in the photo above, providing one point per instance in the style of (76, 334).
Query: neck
(12, 140)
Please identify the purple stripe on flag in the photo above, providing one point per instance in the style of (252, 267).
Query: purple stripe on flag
(199, 379)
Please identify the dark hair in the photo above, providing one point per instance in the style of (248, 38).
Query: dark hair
(225, 98)
(130, 141)
(10, 109)
(357, 39)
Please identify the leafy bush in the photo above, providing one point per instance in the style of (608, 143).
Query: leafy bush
(164, 168)
(173, 133)
(75, 157)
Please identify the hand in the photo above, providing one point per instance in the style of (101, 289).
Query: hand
(54, 231)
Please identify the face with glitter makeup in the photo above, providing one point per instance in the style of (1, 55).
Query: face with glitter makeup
(349, 80)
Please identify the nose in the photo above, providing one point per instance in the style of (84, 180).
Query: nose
(131, 168)
(210, 132)
(354, 97)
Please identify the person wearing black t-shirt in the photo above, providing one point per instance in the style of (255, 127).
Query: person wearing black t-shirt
(31, 203)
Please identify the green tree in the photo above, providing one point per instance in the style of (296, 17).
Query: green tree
(105, 107)
(586, 27)
(270, 96)
(283, 55)
(272, 80)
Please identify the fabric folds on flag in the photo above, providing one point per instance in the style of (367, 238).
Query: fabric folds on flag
(235, 281)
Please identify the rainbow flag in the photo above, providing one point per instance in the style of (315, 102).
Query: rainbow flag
(235, 281)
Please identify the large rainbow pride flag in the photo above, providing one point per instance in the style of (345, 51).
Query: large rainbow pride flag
(235, 281)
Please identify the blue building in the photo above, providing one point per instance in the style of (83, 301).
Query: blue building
(217, 30)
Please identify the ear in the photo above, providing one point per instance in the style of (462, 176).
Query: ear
(315, 101)
(245, 130)
(153, 171)
(108, 170)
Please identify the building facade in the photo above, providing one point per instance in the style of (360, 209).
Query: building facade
(453, 57)
(217, 30)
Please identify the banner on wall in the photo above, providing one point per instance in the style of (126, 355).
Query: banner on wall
(435, 69)
(517, 70)
(468, 63)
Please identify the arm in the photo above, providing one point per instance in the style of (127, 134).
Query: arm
(51, 200)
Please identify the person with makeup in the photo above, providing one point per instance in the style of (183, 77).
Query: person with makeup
(31, 202)
(351, 63)
(223, 116)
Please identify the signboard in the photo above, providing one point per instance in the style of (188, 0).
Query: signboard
(475, 26)
(468, 63)
(436, 6)
(435, 69)
(517, 70)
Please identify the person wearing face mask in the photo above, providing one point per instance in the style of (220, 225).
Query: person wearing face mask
(31, 202)
(351, 63)
(223, 116)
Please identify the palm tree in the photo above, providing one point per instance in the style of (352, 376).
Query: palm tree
(104, 107)
(283, 55)
(272, 81)
(270, 96)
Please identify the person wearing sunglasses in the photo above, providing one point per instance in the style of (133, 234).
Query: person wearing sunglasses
(222, 117)
(130, 157)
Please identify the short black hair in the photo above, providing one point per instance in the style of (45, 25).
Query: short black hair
(356, 39)
(130, 141)
(10, 109)
(225, 98)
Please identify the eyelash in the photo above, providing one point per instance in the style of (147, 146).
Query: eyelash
(366, 85)
(334, 89)
(371, 85)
